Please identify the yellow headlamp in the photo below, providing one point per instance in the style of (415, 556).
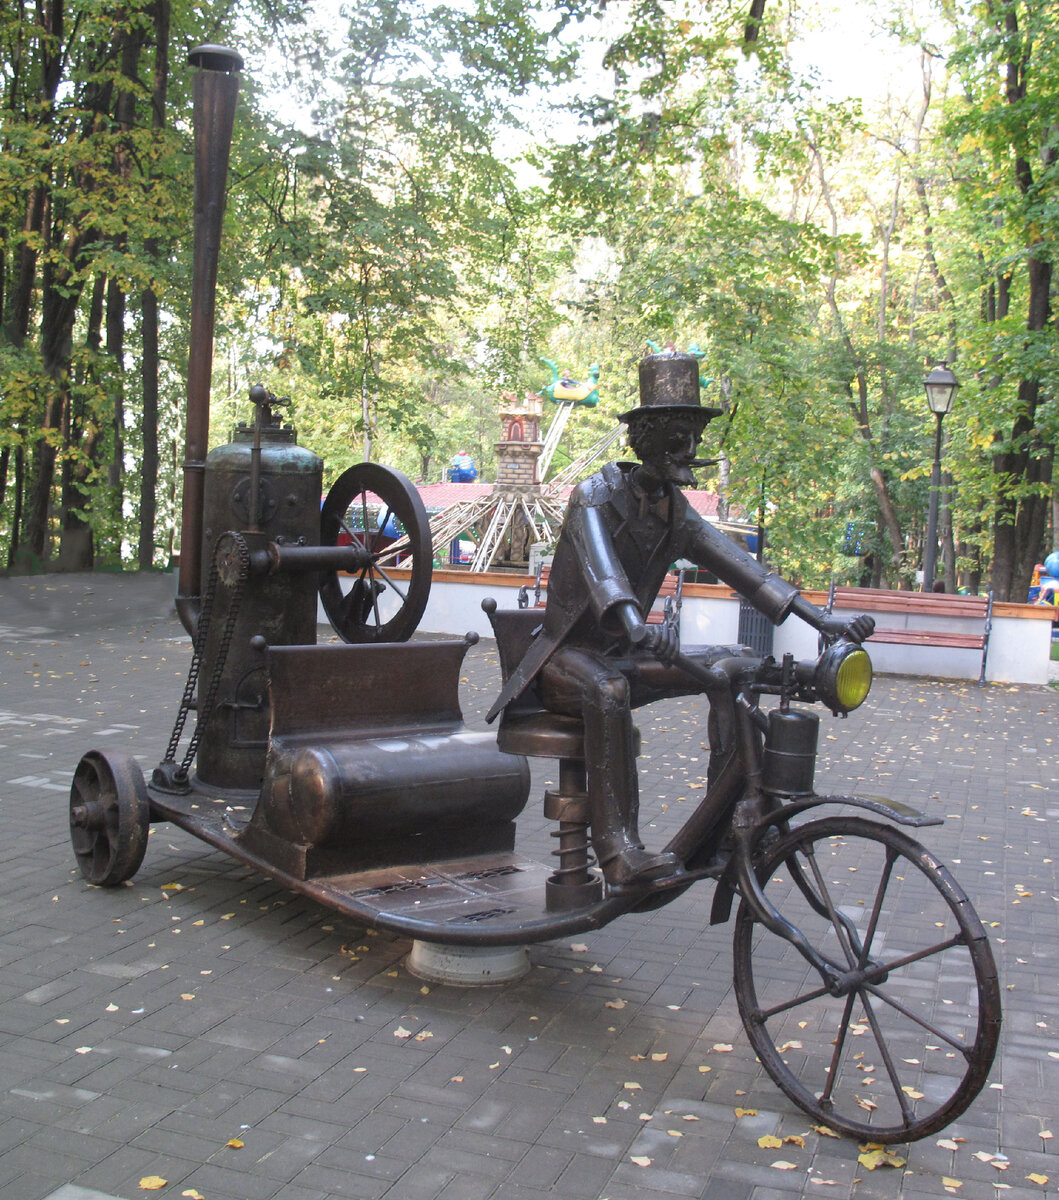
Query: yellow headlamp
(843, 676)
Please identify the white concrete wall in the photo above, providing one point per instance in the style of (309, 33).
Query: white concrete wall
(1019, 651)
(457, 607)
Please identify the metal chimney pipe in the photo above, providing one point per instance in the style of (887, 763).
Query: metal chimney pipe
(216, 88)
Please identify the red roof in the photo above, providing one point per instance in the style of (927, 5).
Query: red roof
(444, 495)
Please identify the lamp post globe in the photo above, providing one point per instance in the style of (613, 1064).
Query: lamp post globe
(941, 386)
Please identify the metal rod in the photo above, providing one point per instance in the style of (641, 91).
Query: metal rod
(930, 550)
(216, 87)
(319, 558)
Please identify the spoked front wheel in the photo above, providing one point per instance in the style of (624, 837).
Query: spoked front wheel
(901, 1041)
(379, 510)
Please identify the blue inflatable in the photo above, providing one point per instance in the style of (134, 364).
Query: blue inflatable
(462, 469)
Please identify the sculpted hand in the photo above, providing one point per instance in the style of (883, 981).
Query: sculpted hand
(659, 640)
(855, 629)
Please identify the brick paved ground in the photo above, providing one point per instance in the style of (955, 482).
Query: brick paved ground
(143, 1028)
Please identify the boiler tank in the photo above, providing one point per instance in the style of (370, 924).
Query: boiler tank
(269, 609)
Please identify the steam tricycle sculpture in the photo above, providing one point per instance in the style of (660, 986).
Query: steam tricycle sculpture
(346, 772)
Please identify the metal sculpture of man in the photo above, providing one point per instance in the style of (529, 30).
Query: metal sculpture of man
(595, 657)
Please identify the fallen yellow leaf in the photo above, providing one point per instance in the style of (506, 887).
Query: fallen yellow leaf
(950, 1185)
(723, 1048)
(783, 1165)
(823, 1130)
(746, 1112)
(769, 1142)
(1038, 1179)
(192, 1194)
(880, 1158)
(234, 1143)
(641, 1160)
(153, 1183)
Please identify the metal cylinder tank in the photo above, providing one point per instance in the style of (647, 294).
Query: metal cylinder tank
(268, 609)
(789, 764)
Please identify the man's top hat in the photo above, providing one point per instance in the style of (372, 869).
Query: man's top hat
(669, 383)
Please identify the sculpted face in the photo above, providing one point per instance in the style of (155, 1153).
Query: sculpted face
(666, 444)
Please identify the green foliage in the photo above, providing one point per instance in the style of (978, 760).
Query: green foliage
(386, 265)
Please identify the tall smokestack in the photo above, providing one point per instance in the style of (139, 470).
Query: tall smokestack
(216, 88)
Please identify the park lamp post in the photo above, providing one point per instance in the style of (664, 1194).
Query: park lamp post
(940, 385)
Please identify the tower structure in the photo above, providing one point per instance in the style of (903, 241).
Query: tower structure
(519, 449)
(522, 509)
(518, 511)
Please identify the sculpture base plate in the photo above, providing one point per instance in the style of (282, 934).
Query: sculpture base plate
(467, 966)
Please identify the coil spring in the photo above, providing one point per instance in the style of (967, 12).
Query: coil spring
(572, 853)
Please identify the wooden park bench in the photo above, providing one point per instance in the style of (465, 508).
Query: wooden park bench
(914, 606)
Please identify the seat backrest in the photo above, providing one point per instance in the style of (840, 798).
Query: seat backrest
(363, 690)
(514, 629)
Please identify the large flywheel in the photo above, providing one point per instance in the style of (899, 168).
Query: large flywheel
(379, 510)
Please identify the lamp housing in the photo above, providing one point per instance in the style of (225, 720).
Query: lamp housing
(941, 385)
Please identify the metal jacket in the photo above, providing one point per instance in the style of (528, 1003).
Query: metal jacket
(616, 547)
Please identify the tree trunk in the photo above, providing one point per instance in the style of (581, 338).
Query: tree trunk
(124, 116)
(1024, 465)
(149, 318)
(76, 547)
(116, 353)
(61, 291)
(22, 551)
(13, 556)
(148, 429)
(948, 546)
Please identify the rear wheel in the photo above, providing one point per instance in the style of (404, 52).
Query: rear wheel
(110, 817)
(903, 1042)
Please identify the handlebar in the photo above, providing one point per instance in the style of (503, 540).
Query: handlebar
(839, 678)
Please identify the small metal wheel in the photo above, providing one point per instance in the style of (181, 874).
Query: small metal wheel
(903, 1040)
(379, 509)
(110, 817)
